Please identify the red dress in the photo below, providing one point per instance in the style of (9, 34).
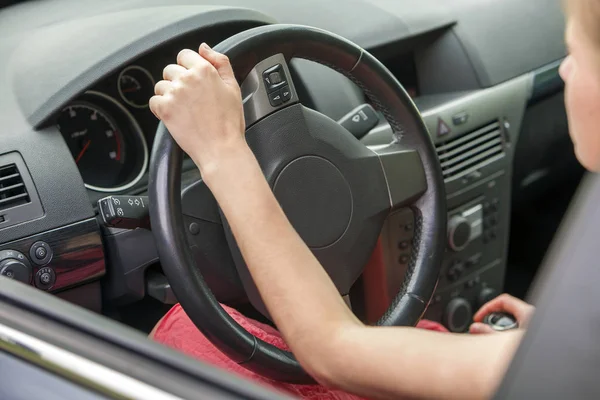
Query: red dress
(176, 330)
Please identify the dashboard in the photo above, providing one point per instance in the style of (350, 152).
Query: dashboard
(109, 128)
(75, 122)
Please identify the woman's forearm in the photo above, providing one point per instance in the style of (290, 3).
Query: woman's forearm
(199, 102)
(301, 298)
(325, 336)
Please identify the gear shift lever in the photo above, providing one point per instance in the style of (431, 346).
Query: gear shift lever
(499, 321)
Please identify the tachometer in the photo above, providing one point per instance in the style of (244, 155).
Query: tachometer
(136, 86)
(108, 147)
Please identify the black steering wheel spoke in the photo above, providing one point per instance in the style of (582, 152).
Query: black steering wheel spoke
(404, 174)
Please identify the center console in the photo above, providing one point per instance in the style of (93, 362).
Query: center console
(474, 135)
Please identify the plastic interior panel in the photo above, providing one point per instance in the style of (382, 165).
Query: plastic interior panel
(118, 347)
(26, 212)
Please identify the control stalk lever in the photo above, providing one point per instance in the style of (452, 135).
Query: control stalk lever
(360, 120)
(127, 212)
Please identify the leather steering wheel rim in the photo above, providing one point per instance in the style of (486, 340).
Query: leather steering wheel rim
(245, 50)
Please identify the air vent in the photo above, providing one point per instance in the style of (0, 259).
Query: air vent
(462, 155)
(12, 188)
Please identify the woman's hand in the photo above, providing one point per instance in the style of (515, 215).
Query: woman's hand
(503, 303)
(200, 103)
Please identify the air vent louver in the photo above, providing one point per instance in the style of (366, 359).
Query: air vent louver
(12, 189)
(462, 155)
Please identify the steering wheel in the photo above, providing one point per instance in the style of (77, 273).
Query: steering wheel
(336, 192)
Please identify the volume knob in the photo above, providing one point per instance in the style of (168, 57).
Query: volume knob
(459, 233)
(458, 315)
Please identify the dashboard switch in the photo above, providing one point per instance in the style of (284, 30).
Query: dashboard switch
(460, 118)
(127, 212)
(45, 278)
(40, 253)
(15, 265)
(360, 120)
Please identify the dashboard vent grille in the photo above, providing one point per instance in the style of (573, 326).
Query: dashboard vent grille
(465, 154)
(12, 188)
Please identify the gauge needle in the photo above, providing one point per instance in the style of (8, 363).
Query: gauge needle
(82, 152)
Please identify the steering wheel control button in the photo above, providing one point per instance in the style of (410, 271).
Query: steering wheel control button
(40, 253)
(127, 212)
(286, 94)
(275, 98)
(360, 120)
(12, 268)
(274, 78)
(45, 278)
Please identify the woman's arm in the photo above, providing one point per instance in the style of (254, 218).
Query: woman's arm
(328, 340)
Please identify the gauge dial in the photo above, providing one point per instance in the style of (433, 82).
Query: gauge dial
(136, 86)
(105, 141)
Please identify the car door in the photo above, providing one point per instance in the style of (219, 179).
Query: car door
(52, 349)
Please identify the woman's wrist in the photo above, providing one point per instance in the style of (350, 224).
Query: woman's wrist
(232, 158)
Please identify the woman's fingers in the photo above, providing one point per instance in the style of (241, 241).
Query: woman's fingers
(173, 71)
(189, 59)
(505, 303)
(156, 104)
(219, 61)
(162, 87)
(479, 328)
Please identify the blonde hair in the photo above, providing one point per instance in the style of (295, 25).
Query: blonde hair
(587, 13)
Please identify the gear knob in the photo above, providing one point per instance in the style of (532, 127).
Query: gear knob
(500, 321)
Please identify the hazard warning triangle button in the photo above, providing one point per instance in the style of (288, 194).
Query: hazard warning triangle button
(443, 128)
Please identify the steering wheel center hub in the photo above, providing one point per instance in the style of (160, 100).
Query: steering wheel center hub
(316, 198)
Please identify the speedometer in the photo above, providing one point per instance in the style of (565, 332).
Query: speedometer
(105, 141)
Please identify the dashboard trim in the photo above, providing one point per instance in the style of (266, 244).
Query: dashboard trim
(78, 253)
(42, 92)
